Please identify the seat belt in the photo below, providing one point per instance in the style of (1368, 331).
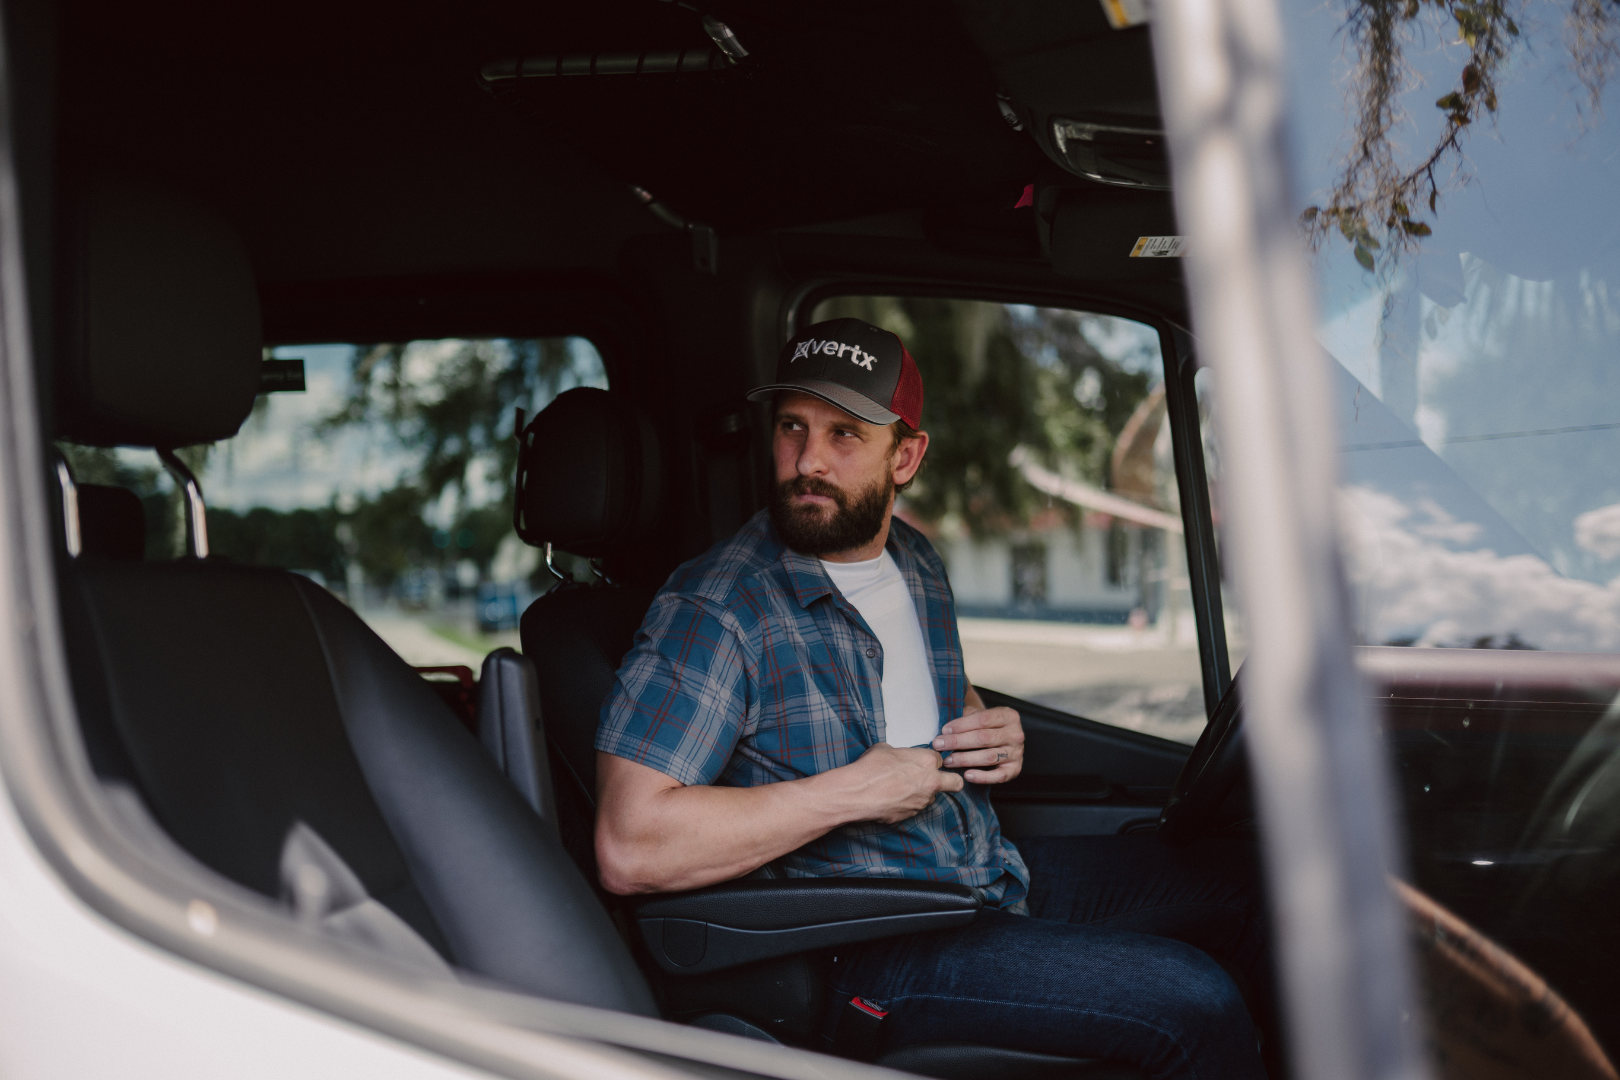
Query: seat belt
(859, 1027)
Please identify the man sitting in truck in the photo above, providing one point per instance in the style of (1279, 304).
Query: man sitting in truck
(796, 695)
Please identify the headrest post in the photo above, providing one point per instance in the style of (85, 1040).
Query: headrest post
(196, 512)
(554, 571)
(70, 507)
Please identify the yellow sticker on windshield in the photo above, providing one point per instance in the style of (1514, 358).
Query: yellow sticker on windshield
(1124, 14)
(1159, 247)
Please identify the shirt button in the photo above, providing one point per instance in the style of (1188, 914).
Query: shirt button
(871, 654)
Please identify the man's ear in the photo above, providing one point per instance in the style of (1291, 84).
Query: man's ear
(908, 456)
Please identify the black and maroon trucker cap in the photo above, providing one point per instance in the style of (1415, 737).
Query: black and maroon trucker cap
(854, 365)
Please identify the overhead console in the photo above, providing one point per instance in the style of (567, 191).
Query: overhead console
(1077, 77)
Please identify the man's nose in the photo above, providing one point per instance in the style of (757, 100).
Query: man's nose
(813, 455)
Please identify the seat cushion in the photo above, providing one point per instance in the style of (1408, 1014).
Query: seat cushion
(241, 702)
(220, 696)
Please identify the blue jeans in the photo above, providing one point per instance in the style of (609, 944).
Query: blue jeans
(1124, 955)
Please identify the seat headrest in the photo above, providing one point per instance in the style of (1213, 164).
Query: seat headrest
(163, 342)
(588, 478)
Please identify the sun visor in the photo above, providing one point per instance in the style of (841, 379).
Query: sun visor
(1101, 235)
(163, 346)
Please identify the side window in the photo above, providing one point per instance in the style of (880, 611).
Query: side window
(1050, 492)
(387, 480)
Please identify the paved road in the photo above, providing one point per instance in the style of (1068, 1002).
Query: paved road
(413, 638)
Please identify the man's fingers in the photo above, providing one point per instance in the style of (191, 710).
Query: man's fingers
(997, 717)
(969, 722)
(974, 740)
(949, 781)
(999, 775)
(989, 758)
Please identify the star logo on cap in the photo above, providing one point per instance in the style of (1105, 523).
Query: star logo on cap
(803, 350)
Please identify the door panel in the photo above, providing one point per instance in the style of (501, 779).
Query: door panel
(1081, 777)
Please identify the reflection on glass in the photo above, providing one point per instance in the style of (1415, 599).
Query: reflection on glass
(1050, 493)
(1478, 408)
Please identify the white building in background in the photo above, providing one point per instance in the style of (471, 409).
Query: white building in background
(1127, 563)
(1098, 574)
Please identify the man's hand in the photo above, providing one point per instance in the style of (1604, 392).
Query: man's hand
(897, 782)
(990, 742)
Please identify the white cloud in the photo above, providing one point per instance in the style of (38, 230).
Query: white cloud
(1442, 526)
(1598, 531)
(1411, 585)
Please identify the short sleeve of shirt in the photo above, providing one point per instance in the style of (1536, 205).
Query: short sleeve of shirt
(681, 697)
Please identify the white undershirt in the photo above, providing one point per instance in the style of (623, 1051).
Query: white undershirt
(879, 593)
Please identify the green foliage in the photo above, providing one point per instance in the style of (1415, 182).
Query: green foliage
(477, 533)
(303, 539)
(389, 536)
(459, 410)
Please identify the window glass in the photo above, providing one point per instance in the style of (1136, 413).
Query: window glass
(1049, 491)
(1456, 179)
(1237, 641)
(387, 480)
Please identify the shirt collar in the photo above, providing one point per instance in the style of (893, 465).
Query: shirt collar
(809, 578)
(810, 582)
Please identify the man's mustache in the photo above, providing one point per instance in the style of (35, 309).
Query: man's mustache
(814, 485)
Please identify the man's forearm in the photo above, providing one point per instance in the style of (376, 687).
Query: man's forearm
(687, 837)
(654, 834)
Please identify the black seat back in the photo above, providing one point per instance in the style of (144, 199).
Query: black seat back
(588, 483)
(112, 522)
(242, 702)
(576, 636)
(509, 728)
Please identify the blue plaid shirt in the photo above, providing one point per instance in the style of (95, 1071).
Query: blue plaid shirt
(751, 668)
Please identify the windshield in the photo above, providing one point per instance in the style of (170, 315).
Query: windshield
(1479, 412)
(1457, 183)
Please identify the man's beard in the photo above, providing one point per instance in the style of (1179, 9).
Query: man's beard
(811, 530)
